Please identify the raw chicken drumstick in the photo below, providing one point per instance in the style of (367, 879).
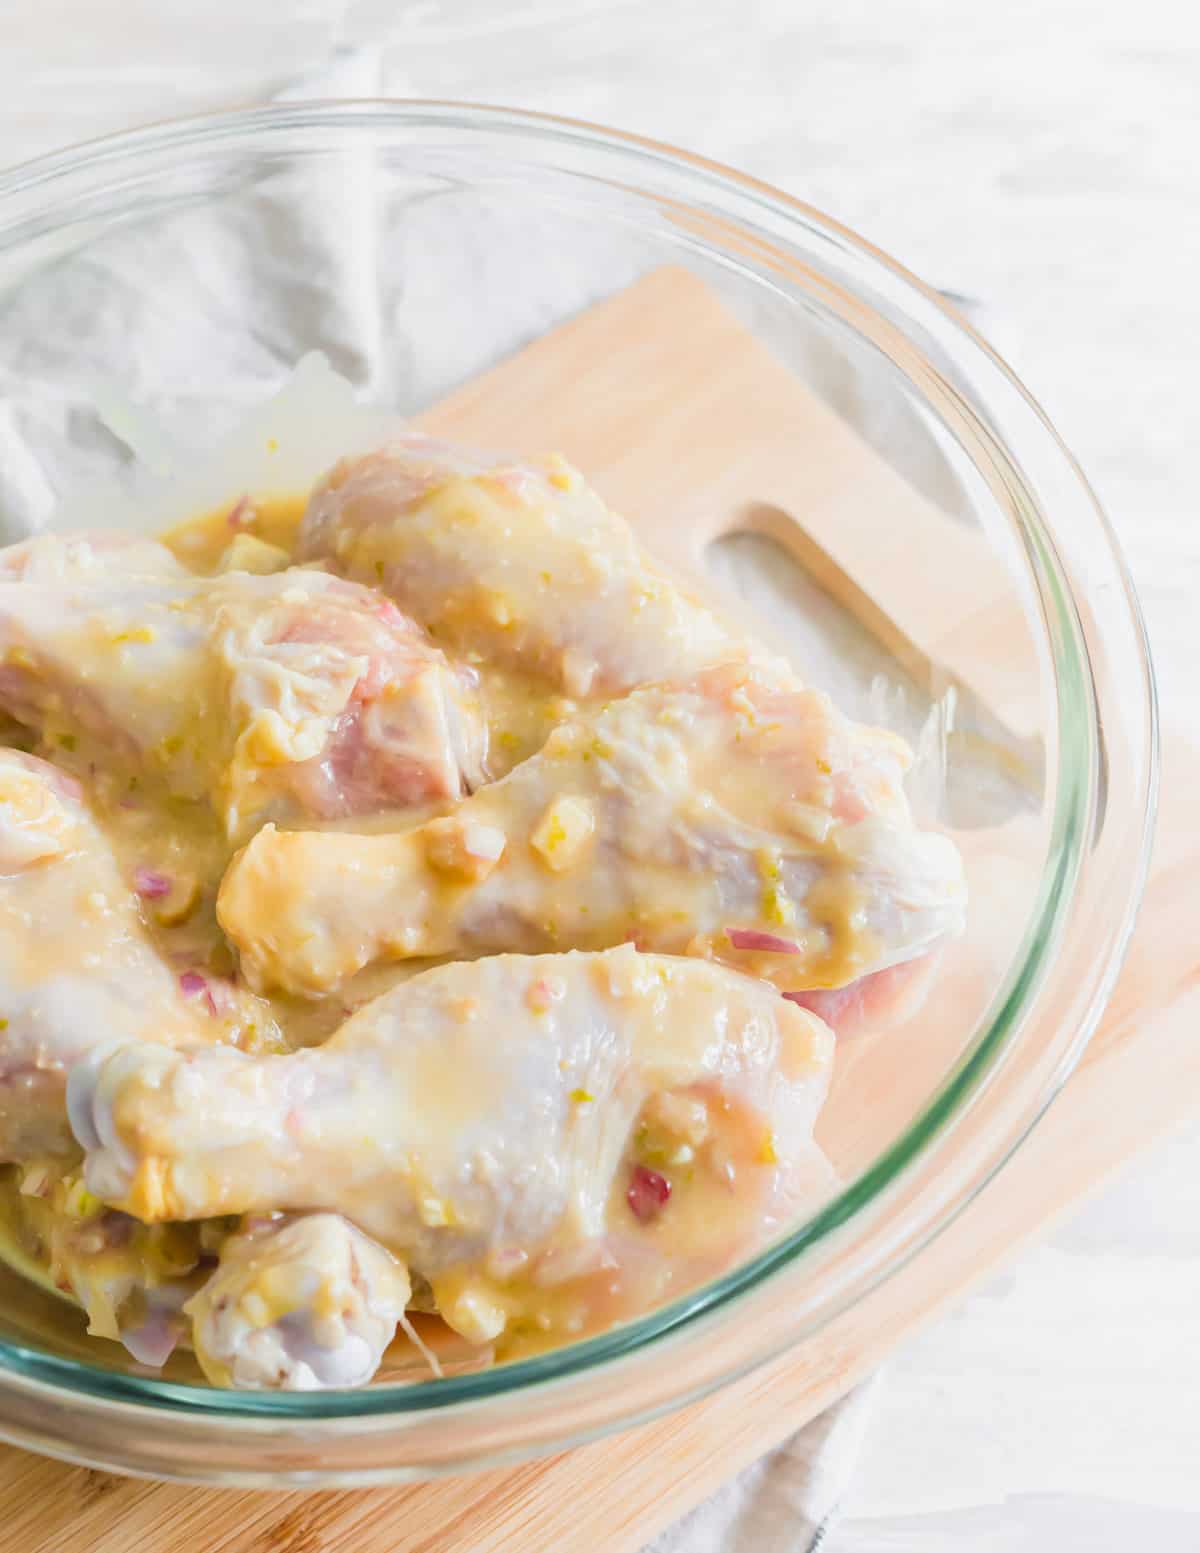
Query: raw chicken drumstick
(725, 817)
(289, 695)
(493, 1123)
(523, 566)
(76, 967)
(297, 1303)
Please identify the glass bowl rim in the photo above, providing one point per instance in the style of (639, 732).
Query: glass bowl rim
(1076, 791)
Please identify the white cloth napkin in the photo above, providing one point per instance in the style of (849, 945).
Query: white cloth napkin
(266, 270)
(789, 1499)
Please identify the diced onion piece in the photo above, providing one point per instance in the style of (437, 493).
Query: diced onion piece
(217, 995)
(563, 832)
(647, 1194)
(463, 847)
(765, 943)
(152, 1343)
(485, 842)
(245, 553)
(474, 1315)
(150, 885)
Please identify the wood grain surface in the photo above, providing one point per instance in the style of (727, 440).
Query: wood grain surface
(615, 1494)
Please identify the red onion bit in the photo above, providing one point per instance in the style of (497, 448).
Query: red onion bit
(647, 1194)
(767, 943)
(241, 514)
(193, 985)
(152, 1343)
(150, 885)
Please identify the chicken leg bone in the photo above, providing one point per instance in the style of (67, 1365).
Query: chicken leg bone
(297, 1303)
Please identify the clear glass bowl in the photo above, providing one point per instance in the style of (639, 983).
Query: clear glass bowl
(417, 243)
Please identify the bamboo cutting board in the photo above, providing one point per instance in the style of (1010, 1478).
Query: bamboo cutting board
(643, 363)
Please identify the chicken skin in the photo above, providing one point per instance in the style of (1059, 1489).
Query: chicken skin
(488, 1121)
(724, 816)
(294, 695)
(521, 566)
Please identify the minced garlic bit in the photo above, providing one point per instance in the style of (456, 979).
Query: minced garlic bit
(682, 1116)
(803, 819)
(245, 553)
(464, 847)
(475, 1316)
(563, 833)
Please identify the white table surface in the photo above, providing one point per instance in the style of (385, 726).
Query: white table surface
(1041, 156)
